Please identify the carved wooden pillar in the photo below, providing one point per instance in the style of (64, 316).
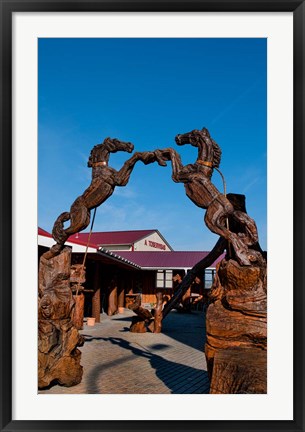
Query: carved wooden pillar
(78, 311)
(236, 327)
(113, 297)
(96, 298)
(77, 278)
(121, 295)
(58, 339)
(158, 313)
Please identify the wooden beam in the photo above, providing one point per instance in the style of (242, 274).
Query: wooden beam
(96, 298)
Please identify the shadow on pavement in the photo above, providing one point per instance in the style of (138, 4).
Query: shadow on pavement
(188, 329)
(178, 378)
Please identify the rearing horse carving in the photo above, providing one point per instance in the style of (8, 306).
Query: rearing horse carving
(104, 181)
(199, 188)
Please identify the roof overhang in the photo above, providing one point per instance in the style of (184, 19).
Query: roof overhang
(76, 248)
(115, 257)
(173, 268)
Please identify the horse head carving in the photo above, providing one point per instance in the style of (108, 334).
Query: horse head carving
(100, 153)
(202, 192)
(208, 149)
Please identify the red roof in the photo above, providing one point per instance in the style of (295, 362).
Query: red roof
(71, 239)
(113, 237)
(145, 259)
(171, 259)
(43, 232)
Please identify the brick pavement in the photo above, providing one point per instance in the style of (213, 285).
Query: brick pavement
(118, 361)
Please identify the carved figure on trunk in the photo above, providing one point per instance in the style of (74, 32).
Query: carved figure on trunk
(104, 181)
(58, 339)
(199, 188)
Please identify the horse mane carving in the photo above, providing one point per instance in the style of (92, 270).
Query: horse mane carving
(203, 137)
(217, 154)
(101, 152)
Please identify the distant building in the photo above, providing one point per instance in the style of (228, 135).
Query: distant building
(45, 241)
(136, 240)
(129, 262)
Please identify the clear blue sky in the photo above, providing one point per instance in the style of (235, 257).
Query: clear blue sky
(146, 91)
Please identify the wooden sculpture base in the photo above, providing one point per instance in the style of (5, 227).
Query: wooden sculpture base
(236, 345)
(145, 319)
(58, 339)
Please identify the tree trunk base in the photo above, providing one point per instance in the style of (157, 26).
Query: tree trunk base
(239, 371)
(236, 322)
(58, 338)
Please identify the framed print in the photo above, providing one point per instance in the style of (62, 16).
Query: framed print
(147, 73)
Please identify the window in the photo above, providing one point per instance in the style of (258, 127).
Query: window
(208, 278)
(164, 279)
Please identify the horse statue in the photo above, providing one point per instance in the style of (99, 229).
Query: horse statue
(104, 181)
(202, 192)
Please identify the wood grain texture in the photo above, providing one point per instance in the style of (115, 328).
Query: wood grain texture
(236, 326)
(144, 317)
(112, 298)
(239, 371)
(158, 313)
(58, 338)
(77, 315)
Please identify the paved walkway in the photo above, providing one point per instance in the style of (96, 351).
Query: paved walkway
(118, 361)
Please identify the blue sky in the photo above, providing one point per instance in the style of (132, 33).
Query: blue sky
(146, 91)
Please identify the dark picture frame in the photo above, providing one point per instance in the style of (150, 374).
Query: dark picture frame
(7, 9)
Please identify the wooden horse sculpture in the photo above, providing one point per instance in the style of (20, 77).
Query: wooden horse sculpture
(199, 188)
(104, 180)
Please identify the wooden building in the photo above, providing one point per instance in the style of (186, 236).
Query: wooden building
(139, 262)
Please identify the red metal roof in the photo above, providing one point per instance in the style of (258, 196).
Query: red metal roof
(71, 239)
(145, 259)
(43, 232)
(171, 259)
(113, 237)
(112, 256)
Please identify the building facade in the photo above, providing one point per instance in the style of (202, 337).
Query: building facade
(132, 241)
(122, 264)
